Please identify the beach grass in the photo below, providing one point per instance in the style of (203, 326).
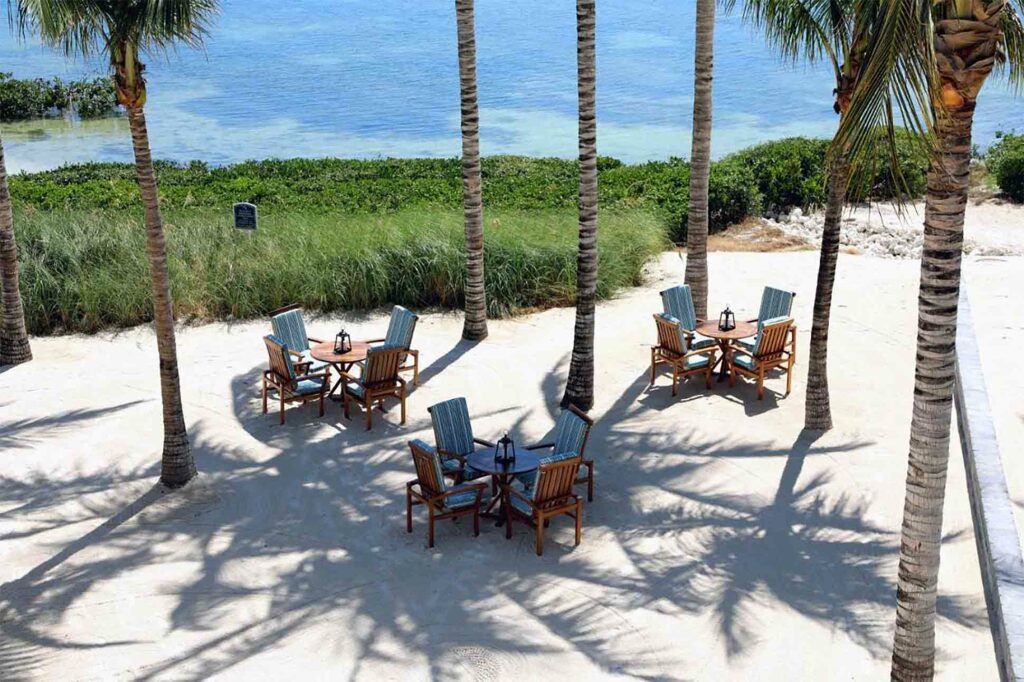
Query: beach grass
(83, 271)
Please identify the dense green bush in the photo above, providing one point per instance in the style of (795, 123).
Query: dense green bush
(37, 98)
(86, 270)
(789, 172)
(1005, 160)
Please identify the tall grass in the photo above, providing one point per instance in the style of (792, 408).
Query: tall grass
(86, 270)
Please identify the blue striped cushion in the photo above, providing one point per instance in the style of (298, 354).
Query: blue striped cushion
(520, 505)
(745, 361)
(468, 472)
(570, 430)
(774, 303)
(678, 303)
(400, 328)
(438, 469)
(452, 430)
(314, 364)
(697, 361)
(290, 327)
(358, 390)
(308, 386)
(529, 479)
(460, 500)
(701, 344)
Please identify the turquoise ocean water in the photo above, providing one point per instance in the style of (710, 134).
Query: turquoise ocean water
(355, 79)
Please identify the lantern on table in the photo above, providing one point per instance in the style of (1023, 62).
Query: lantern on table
(505, 451)
(727, 320)
(342, 343)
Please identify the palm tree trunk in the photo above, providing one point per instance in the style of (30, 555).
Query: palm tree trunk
(579, 388)
(475, 326)
(14, 347)
(913, 656)
(700, 159)
(177, 466)
(817, 409)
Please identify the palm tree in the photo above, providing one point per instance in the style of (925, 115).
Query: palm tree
(579, 387)
(475, 326)
(931, 59)
(14, 348)
(700, 158)
(833, 30)
(123, 30)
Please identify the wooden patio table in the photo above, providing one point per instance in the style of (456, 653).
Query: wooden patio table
(710, 329)
(342, 362)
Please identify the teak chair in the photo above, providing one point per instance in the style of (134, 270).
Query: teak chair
(673, 349)
(289, 326)
(550, 496)
(775, 303)
(399, 335)
(290, 384)
(453, 434)
(379, 380)
(429, 488)
(678, 302)
(769, 352)
(570, 440)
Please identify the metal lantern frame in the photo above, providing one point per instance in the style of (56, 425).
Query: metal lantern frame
(342, 343)
(502, 453)
(727, 320)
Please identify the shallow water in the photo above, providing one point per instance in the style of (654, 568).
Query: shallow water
(309, 78)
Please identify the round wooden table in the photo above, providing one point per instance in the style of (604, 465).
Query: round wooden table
(525, 462)
(710, 329)
(342, 362)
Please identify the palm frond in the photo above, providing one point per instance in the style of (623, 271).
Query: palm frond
(1013, 42)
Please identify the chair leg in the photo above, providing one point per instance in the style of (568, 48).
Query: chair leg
(508, 518)
(579, 521)
(264, 395)
(675, 381)
(540, 536)
(408, 511)
(344, 402)
(401, 395)
(654, 364)
(760, 384)
(590, 481)
(789, 376)
(430, 528)
(476, 521)
(322, 394)
(707, 375)
(415, 369)
(732, 374)
(282, 407)
(369, 416)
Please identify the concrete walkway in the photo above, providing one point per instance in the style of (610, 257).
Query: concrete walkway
(723, 544)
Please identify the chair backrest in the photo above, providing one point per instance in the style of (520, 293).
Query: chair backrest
(280, 361)
(400, 328)
(678, 303)
(452, 431)
(428, 468)
(382, 365)
(670, 333)
(771, 340)
(571, 431)
(290, 328)
(554, 482)
(774, 303)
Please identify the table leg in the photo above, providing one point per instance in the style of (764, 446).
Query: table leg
(499, 499)
(723, 373)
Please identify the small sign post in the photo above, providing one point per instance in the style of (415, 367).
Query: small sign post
(245, 216)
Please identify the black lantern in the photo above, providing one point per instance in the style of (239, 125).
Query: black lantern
(726, 321)
(342, 343)
(505, 451)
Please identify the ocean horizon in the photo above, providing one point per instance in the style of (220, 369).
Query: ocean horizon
(305, 80)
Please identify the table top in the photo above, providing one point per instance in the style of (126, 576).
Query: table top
(324, 352)
(526, 460)
(741, 331)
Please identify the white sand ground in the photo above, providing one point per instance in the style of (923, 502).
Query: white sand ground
(723, 544)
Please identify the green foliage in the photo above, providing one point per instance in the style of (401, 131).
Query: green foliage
(1005, 160)
(912, 161)
(86, 270)
(789, 172)
(38, 98)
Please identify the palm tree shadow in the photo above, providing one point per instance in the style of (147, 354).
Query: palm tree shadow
(447, 360)
(23, 433)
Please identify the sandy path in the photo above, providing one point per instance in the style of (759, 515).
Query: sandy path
(722, 544)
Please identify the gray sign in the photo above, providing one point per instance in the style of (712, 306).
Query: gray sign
(245, 216)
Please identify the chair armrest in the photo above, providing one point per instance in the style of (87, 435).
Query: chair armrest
(374, 341)
(465, 488)
(538, 446)
(310, 338)
(710, 350)
(481, 441)
(294, 353)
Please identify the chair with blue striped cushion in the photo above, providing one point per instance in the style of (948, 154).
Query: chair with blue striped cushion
(442, 501)
(399, 335)
(769, 352)
(569, 439)
(378, 380)
(289, 326)
(678, 302)
(453, 434)
(290, 384)
(550, 495)
(673, 349)
(775, 303)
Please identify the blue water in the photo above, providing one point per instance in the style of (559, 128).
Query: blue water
(355, 79)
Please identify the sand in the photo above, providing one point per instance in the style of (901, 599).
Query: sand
(723, 543)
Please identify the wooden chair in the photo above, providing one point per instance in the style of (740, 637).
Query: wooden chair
(291, 384)
(769, 352)
(673, 349)
(572, 430)
(550, 496)
(289, 326)
(429, 488)
(399, 335)
(775, 303)
(377, 381)
(453, 434)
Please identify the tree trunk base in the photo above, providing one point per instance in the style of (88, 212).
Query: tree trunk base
(14, 352)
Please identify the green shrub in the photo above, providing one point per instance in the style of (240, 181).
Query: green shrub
(912, 160)
(789, 172)
(38, 98)
(1005, 160)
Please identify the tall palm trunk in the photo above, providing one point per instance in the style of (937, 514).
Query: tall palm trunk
(177, 466)
(475, 326)
(700, 159)
(579, 388)
(14, 347)
(817, 408)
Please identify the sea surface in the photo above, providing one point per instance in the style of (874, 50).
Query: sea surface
(354, 79)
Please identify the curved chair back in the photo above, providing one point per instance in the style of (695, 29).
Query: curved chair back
(554, 482)
(771, 341)
(291, 329)
(400, 328)
(428, 468)
(280, 361)
(382, 365)
(678, 302)
(774, 303)
(670, 334)
(453, 432)
(571, 431)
